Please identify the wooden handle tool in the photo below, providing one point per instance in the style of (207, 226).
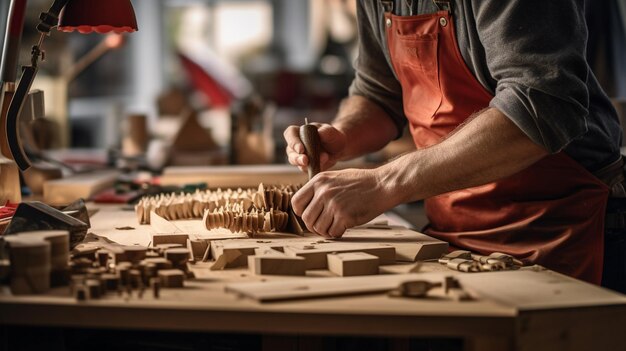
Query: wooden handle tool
(312, 146)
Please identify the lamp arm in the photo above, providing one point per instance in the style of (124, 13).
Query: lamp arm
(12, 39)
(49, 20)
(12, 122)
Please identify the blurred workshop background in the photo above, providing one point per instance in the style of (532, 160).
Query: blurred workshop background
(211, 82)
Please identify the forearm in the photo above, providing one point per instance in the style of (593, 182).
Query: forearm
(487, 148)
(366, 126)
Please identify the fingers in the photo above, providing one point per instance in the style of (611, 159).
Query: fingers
(323, 223)
(295, 148)
(301, 199)
(333, 141)
(296, 159)
(292, 136)
(311, 214)
(336, 229)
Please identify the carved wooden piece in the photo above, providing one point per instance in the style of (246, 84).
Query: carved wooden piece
(265, 209)
(316, 255)
(352, 264)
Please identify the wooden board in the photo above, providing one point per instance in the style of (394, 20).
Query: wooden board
(66, 190)
(313, 288)
(525, 290)
(233, 176)
(410, 245)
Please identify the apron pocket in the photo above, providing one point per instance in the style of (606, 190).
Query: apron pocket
(418, 70)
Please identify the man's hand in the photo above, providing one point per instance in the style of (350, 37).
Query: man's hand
(333, 144)
(333, 201)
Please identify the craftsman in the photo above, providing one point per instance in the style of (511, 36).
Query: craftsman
(517, 145)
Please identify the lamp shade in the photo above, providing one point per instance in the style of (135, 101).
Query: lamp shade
(101, 16)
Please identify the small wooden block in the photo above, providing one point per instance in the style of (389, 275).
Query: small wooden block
(134, 253)
(171, 278)
(272, 262)
(178, 256)
(352, 264)
(159, 239)
(110, 281)
(94, 288)
(160, 263)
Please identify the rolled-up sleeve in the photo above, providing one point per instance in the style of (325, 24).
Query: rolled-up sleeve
(535, 51)
(374, 79)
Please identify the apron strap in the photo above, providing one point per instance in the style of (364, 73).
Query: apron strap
(613, 176)
(387, 5)
(443, 5)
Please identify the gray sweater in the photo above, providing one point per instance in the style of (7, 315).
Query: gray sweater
(529, 53)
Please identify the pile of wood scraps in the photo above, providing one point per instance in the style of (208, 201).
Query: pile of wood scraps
(465, 261)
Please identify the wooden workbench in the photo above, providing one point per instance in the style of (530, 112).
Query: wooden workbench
(517, 310)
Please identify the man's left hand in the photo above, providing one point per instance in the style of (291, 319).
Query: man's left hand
(333, 201)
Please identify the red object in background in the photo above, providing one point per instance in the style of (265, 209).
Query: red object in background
(101, 16)
(110, 196)
(8, 210)
(202, 81)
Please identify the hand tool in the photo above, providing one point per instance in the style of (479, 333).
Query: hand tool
(312, 146)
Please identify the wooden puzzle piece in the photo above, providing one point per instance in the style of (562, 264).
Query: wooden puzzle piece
(315, 255)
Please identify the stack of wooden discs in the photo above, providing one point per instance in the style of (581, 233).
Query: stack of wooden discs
(30, 264)
(59, 253)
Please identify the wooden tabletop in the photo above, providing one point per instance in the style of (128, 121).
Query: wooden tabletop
(529, 309)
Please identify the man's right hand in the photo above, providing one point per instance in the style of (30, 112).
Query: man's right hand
(333, 145)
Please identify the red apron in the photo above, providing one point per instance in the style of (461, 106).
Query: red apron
(551, 213)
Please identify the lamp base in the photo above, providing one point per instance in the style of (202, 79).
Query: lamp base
(10, 189)
(9, 182)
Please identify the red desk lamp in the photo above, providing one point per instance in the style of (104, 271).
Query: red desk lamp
(85, 16)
